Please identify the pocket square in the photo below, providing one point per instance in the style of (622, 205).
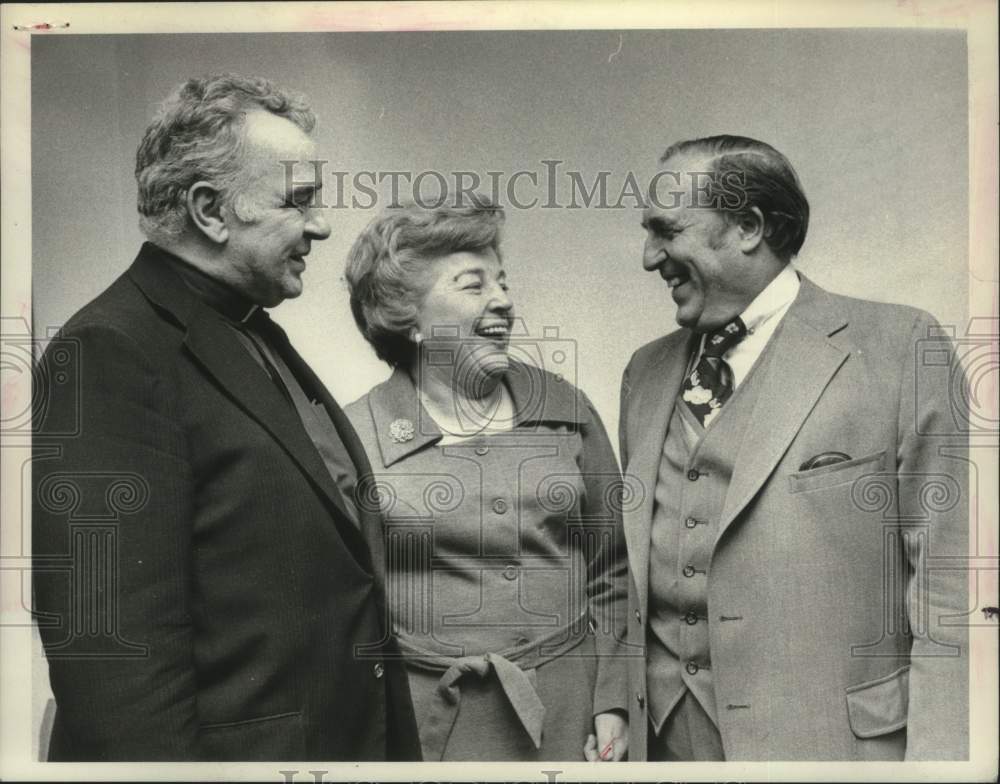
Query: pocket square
(824, 459)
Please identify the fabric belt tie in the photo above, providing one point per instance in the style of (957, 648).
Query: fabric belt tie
(514, 670)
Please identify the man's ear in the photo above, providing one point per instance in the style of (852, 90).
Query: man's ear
(204, 206)
(752, 229)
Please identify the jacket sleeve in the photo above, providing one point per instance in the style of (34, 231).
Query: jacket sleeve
(626, 391)
(933, 489)
(607, 588)
(112, 547)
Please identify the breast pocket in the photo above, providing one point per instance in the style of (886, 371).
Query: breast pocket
(277, 737)
(837, 474)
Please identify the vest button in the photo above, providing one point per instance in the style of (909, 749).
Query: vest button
(690, 522)
(692, 668)
(691, 617)
(641, 700)
(500, 506)
(693, 474)
(689, 571)
(510, 572)
(379, 670)
(638, 618)
(482, 450)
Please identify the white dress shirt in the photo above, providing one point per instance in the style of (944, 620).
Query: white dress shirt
(761, 317)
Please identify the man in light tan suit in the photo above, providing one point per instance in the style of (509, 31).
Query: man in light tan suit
(805, 483)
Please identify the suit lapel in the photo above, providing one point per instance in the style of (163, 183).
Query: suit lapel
(800, 362)
(368, 512)
(651, 410)
(219, 351)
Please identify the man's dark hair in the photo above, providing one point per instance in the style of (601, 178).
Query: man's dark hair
(768, 182)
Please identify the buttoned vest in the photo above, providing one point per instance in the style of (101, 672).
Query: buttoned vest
(696, 466)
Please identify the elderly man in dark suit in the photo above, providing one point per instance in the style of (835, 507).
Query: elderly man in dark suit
(805, 483)
(223, 600)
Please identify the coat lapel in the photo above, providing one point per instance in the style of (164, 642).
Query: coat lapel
(651, 409)
(219, 351)
(368, 510)
(801, 361)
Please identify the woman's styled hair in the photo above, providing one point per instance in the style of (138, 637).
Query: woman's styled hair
(766, 180)
(198, 134)
(388, 266)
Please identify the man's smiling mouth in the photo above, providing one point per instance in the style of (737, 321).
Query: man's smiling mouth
(675, 281)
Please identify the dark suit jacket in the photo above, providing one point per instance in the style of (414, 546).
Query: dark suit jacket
(837, 597)
(201, 592)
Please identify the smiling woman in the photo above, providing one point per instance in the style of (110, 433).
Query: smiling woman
(500, 490)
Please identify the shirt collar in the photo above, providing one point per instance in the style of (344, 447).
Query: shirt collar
(214, 293)
(775, 296)
(403, 426)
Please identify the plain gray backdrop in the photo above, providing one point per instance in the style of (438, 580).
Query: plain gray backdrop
(873, 120)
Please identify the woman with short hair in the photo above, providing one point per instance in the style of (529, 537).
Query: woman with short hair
(505, 560)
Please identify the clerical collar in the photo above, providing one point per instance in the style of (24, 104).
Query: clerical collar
(214, 293)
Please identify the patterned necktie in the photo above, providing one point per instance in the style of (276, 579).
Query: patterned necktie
(710, 384)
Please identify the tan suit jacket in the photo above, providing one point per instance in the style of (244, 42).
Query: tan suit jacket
(846, 581)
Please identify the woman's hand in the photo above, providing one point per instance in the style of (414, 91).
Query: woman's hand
(611, 741)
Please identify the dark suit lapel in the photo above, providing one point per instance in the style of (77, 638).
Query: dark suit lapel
(224, 357)
(219, 351)
(800, 363)
(650, 409)
(367, 506)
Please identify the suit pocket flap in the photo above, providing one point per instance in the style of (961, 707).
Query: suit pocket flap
(277, 737)
(879, 707)
(836, 474)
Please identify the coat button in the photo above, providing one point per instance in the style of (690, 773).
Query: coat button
(482, 450)
(641, 700)
(692, 668)
(693, 474)
(689, 571)
(690, 522)
(510, 572)
(378, 669)
(499, 506)
(691, 617)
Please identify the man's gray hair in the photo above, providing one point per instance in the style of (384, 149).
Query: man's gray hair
(198, 134)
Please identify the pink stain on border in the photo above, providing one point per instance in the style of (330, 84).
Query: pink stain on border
(41, 27)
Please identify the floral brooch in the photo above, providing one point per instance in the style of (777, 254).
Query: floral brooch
(401, 430)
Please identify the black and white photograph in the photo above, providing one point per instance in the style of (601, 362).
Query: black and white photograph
(500, 391)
